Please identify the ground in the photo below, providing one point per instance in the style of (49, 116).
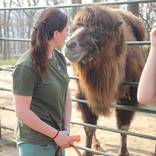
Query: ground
(143, 123)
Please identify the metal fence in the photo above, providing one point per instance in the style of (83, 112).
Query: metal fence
(135, 84)
(130, 108)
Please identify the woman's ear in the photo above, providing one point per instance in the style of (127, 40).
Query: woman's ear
(56, 33)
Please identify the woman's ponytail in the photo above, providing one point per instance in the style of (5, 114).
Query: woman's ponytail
(39, 48)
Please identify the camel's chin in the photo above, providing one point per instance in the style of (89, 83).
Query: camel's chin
(74, 58)
(71, 58)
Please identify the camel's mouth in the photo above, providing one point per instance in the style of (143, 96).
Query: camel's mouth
(73, 57)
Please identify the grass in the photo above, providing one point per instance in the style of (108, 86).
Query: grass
(8, 62)
(6, 142)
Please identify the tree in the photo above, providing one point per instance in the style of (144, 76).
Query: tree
(1, 49)
(6, 33)
(134, 8)
(75, 9)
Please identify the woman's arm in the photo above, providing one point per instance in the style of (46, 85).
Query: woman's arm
(147, 85)
(67, 117)
(23, 112)
(68, 110)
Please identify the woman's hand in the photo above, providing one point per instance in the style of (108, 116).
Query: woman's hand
(63, 139)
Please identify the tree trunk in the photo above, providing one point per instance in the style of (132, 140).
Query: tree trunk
(134, 8)
(8, 35)
(1, 49)
(74, 9)
(4, 55)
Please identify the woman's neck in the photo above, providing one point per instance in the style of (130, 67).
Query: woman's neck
(51, 48)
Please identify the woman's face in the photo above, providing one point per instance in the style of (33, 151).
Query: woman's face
(62, 36)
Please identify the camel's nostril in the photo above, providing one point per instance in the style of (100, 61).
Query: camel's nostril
(71, 44)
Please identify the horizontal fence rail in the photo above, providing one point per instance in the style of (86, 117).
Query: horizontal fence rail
(28, 40)
(90, 150)
(79, 5)
(92, 126)
(123, 107)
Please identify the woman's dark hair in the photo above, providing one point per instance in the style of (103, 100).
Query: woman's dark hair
(49, 20)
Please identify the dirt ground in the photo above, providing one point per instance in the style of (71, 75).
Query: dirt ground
(143, 123)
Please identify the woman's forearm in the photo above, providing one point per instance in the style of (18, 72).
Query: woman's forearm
(147, 84)
(68, 109)
(34, 122)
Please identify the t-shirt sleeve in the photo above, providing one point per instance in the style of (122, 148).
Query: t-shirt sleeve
(24, 80)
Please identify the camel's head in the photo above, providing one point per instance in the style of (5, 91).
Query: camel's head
(93, 31)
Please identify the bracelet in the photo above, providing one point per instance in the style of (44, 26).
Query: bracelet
(56, 134)
(66, 129)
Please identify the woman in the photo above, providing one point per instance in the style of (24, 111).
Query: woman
(147, 85)
(40, 89)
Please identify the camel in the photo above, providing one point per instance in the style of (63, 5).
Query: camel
(102, 60)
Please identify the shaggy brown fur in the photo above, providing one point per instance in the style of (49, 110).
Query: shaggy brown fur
(106, 63)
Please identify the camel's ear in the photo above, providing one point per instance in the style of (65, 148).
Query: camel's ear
(119, 23)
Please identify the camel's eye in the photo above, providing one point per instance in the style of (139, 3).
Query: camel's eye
(97, 35)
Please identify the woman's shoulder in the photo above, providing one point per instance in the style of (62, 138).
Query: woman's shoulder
(58, 53)
(25, 60)
(24, 66)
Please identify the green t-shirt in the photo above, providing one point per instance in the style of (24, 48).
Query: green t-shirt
(48, 95)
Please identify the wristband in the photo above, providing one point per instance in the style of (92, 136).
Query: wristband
(56, 134)
(66, 129)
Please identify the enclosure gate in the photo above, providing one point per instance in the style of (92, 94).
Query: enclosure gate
(135, 84)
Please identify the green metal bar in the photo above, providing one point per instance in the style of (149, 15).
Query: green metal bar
(74, 77)
(93, 151)
(8, 109)
(132, 108)
(15, 39)
(79, 100)
(6, 69)
(134, 84)
(6, 127)
(28, 40)
(115, 130)
(123, 107)
(79, 5)
(5, 89)
(138, 42)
